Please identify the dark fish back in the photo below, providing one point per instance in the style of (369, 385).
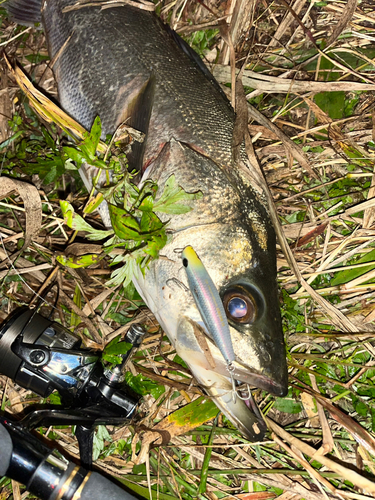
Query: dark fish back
(26, 12)
(104, 61)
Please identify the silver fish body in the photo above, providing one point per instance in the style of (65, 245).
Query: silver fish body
(122, 64)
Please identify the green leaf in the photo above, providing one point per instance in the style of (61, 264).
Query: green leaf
(55, 398)
(116, 346)
(143, 385)
(287, 405)
(150, 222)
(77, 299)
(332, 103)
(124, 274)
(77, 262)
(75, 154)
(76, 222)
(349, 275)
(360, 407)
(143, 492)
(172, 197)
(49, 170)
(130, 292)
(156, 244)
(206, 461)
(90, 143)
(112, 359)
(147, 204)
(100, 436)
(119, 318)
(93, 203)
(11, 139)
(124, 224)
(195, 413)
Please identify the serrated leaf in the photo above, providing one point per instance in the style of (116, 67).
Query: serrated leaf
(124, 274)
(124, 224)
(172, 197)
(76, 222)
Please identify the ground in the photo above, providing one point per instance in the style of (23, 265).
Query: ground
(310, 72)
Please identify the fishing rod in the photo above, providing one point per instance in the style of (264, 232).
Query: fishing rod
(47, 473)
(43, 356)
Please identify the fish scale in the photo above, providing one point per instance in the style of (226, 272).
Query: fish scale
(121, 63)
(140, 48)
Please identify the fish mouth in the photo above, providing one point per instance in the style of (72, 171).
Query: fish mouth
(241, 411)
(238, 406)
(189, 346)
(259, 381)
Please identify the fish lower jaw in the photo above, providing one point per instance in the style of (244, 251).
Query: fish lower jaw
(236, 409)
(265, 383)
(252, 379)
(243, 374)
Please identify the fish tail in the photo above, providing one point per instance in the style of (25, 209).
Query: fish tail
(26, 12)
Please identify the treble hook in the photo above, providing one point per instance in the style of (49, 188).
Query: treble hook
(247, 396)
(178, 283)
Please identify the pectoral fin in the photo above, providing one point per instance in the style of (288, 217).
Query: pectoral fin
(136, 108)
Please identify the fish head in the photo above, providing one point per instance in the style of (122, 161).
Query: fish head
(231, 232)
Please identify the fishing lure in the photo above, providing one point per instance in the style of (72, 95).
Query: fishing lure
(210, 306)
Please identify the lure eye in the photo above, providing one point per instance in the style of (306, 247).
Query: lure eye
(239, 307)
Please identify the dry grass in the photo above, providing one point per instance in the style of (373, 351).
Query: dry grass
(326, 203)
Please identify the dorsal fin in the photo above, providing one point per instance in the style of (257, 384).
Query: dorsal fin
(26, 12)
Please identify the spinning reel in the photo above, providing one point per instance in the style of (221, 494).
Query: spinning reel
(42, 356)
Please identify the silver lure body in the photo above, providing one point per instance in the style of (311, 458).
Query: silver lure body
(208, 303)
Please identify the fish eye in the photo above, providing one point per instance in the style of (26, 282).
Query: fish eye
(240, 306)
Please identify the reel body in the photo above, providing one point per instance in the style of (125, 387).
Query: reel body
(43, 356)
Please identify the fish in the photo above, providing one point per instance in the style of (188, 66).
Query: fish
(121, 63)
